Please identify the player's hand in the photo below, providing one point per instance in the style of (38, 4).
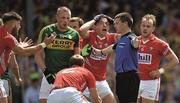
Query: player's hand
(98, 17)
(96, 51)
(50, 77)
(99, 100)
(154, 74)
(26, 42)
(86, 50)
(134, 40)
(48, 40)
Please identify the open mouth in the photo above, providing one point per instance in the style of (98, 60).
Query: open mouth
(104, 29)
(145, 32)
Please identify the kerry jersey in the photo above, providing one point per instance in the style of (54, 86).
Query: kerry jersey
(58, 53)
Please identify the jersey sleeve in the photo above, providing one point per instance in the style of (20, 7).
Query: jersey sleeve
(88, 40)
(77, 40)
(41, 35)
(91, 82)
(164, 48)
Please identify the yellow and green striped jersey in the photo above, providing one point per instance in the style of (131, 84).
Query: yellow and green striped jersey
(58, 53)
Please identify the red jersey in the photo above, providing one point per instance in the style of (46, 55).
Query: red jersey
(77, 77)
(97, 63)
(7, 43)
(150, 54)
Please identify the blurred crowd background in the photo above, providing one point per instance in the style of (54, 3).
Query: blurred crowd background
(39, 13)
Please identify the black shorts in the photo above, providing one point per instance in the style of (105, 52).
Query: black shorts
(127, 86)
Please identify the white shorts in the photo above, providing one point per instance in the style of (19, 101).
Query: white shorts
(2, 90)
(6, 86)
(45, 88)
(102, 88)
(66, 95)
(149, 89)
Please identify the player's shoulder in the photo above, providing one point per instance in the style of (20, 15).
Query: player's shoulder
(71, 31)
(160, 41)
(49, 27)
(3, 32)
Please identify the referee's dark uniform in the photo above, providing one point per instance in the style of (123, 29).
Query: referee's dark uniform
(127, 79)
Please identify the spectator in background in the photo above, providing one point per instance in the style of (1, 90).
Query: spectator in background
(150, 53)
(32, 92)
(9, 43)
(56, 56)
(71, 82)
(76, 23)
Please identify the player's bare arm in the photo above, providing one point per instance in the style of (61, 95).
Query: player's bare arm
(104, 51)
(172, 61)
(39, 58)
(15, 69)
(94, 95)
(33, 49)
(83, 31)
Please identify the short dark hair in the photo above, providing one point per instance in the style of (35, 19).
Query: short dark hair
(11, 16)
(125, 17)
(76, 60)
(77, 19)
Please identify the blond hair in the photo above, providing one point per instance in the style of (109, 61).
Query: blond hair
(63, 8)
(150, 17)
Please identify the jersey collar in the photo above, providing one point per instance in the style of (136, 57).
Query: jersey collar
(150, 37)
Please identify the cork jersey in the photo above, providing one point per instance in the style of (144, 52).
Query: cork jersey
(58, 53)
(97, 63)
(150, 54)
(75, 76)
(7, 43)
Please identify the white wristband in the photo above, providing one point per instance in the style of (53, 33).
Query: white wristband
(161, 70)
(43, 45)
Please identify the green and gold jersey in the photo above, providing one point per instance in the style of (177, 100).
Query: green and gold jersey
(58, 53)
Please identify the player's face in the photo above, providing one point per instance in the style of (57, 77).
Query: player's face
(102, 26)
(118, 25)
(75, 25)
(147, 27)
(63, 18)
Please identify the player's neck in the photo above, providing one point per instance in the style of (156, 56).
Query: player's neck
(101, 35)
(61, 29)
(124, 32)
(145, 38)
